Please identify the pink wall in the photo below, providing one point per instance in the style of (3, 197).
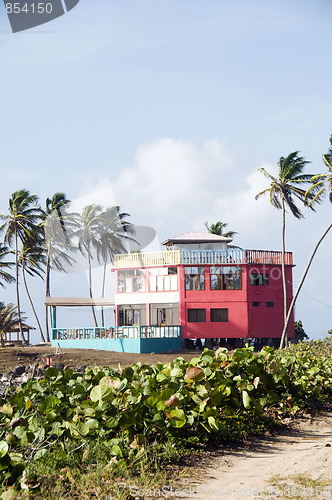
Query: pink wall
(233, 300)
(265, 321)
(245, 320)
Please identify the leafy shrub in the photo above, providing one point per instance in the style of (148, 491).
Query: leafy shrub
(142, 408)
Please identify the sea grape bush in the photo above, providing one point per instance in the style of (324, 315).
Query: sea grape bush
(214, 396)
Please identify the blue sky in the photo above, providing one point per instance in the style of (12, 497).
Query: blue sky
(169, 108)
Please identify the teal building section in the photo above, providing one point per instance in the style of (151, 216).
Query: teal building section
(134, 339)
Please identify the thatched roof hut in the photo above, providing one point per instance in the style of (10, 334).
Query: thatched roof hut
(16, 329)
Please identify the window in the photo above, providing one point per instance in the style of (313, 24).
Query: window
(161, 316)
(163, 279)
(269, 304)
(218, 315)
(196, 315)
(256, 304)
(129, 316)
(131, 280)
(259, 279)
(225, 278)
(172, 270)
(164, 314)
(195, 278)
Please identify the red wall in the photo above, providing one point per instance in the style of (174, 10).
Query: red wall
(268, 322)
(234, 300)
(244, 320)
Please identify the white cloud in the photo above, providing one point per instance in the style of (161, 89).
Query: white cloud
(249, 217)
(173, 180)
(175, 186)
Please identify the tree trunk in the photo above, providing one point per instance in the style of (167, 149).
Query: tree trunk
(90, 289)
(17, 290)
(103, 293)
(32, 306)
(47, 294)
(291, 307)
(283, 269)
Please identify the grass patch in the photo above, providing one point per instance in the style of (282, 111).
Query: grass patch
(298, 487)
(92, 472)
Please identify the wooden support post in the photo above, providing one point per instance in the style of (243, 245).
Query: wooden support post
(53, 316)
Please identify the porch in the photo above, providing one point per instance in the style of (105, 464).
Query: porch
(134, 339)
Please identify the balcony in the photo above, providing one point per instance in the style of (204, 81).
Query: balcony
(117, 332)
(135, 339)
(196, 257)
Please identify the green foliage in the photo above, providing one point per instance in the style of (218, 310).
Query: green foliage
(137, 411)
(300, 334)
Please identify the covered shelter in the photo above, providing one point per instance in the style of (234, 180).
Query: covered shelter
(133, 338)
(15, 329)
(54, 302)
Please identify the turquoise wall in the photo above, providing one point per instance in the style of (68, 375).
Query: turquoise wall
(122, 344)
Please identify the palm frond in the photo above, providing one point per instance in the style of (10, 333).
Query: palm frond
(267, 174)
(262, 193)
(292, 206)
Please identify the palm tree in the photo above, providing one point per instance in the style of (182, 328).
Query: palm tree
(32, 259)
(58, 226)
(113, 230)
(19, 225)
(321, 183)
(9, 318)
(88, 236)
(282, 191)
(218, 228)
(4, 275)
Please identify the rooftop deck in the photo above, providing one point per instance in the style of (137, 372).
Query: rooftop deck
(195, 257)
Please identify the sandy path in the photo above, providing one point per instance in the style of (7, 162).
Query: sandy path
(303, 448)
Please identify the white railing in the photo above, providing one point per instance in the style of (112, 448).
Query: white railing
(117, 332)
(158, 332)
(146, 259)
(195, 257)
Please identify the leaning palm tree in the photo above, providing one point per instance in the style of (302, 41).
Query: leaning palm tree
(321, 184)
(58, 226)
(88, 236)
(9, 318)
(5, 276)
(20, 224)
(32, 260)
(282, 191)
(113, 231)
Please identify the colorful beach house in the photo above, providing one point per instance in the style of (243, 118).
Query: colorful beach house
(196, 288)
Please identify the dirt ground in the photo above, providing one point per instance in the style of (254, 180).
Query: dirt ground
(14, 356)
(294, 463)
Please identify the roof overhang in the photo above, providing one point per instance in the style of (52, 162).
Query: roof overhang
(196, 238)
(78, 301)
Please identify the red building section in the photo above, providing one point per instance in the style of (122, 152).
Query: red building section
(205, 287)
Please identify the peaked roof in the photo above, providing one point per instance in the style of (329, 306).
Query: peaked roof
(197, 238)
(16, 327)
